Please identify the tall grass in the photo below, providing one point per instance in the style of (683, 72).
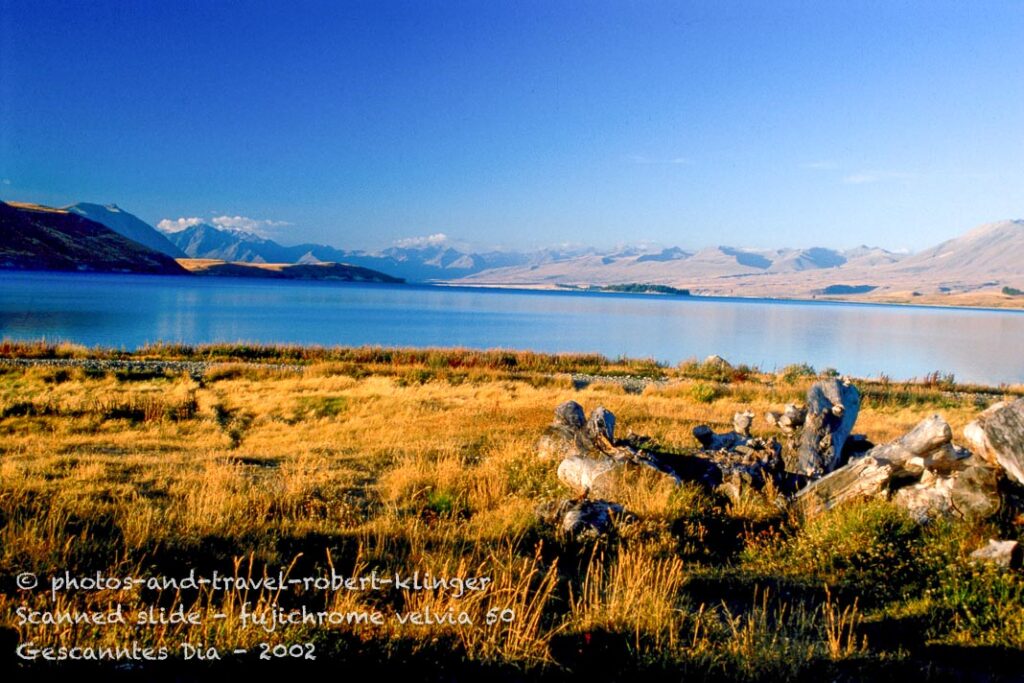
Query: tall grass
(347, 466)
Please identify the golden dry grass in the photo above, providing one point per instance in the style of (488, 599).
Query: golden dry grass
(392, 467)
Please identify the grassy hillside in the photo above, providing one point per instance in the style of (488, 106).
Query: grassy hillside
(40, 238)
(286, 271)
(355, 460)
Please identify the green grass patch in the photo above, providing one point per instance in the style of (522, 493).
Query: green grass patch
(323, 406)
(704, 393)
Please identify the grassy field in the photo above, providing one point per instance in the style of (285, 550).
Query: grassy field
(359, 460)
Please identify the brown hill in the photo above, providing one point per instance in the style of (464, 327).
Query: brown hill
(34, 237)
(990, 251)
(287, 271)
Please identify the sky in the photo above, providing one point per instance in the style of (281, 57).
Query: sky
(524, 124)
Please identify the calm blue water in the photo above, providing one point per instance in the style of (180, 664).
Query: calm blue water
(863, 340)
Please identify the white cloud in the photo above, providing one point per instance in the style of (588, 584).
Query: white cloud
(6, 181)
(246, 224)
(225, 222)
(866, 177)
(645, 160)
(178, 224)
(435, 240)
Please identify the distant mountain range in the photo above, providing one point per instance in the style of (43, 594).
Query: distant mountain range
(978, 264)
(980, 267)
(445, 263)
(580, 266)
(721, 265)
(420, 264)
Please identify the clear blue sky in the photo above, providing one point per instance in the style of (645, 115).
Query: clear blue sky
(524, 123)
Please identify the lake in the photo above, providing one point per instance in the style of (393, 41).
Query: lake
(864, 340)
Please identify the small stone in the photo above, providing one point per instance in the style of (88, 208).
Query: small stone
(582, 519)
(718, 362)
(1007, 554)
(590, 518)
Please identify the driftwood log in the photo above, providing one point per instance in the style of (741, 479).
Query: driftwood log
(743, 462)
(929, 445)
(597, 476)
(975, 494)
(790, 420)
(563, 437)
(972, 494)
(592, 459)
(865, 477)
(742, 422)
(832, 408)
(998, 437)
(593, 462)
(709, 440)
(922, 471)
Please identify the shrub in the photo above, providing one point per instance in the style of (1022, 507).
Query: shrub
(859, 546)
(323, 406)
(415, 376)
(441, 502)
(334, 369)
(791, 374)
(939, 380)
(710, 371)
(704, 393)
(981, 604)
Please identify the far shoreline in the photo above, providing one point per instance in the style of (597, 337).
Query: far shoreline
(832, 299)
(1012, 306)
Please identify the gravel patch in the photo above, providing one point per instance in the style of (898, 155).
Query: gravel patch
(194, 368)
(633, 384)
